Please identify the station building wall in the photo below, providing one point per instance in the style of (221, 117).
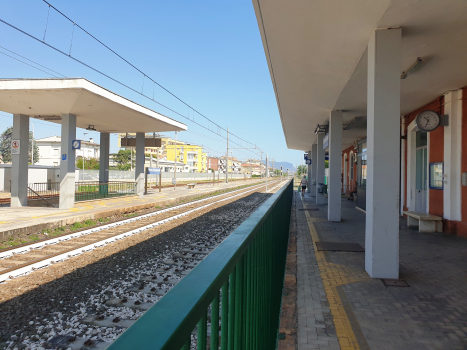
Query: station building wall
(436, 153)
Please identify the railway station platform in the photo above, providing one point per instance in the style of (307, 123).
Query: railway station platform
(338, 305)
(25, 220)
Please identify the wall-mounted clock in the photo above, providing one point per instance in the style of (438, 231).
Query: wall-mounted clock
(428, 120)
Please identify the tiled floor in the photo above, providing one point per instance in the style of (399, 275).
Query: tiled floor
(340, 306)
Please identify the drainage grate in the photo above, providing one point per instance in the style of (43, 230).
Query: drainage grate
(389, 282)
(339, 247)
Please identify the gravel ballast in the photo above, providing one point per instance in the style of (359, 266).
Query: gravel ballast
(88, 300)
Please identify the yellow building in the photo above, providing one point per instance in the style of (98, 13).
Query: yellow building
(191, 155)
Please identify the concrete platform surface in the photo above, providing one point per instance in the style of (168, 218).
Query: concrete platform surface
(340, 307)
(33, 219)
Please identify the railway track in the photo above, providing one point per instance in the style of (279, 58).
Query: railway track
(26, 258)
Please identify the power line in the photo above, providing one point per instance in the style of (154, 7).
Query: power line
(136, 68)
(113, 79)
(30, 65)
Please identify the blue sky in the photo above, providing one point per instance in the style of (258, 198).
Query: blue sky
(209, 53)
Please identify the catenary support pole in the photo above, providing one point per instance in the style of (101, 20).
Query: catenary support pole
(67, 163)
(335, 166)
(227, 159)
(382, 185)
(19, 167)
(175, 165)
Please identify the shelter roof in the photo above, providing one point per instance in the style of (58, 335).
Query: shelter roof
(92, 104)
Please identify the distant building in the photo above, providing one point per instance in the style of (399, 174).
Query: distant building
(251, 168)
(213, 163)
(50, 150)
(233, 165)
(191, 155)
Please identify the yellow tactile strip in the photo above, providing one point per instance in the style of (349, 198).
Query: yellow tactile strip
(334, 275)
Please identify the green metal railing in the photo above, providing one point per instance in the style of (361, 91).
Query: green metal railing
(94, 189)
(238, 287)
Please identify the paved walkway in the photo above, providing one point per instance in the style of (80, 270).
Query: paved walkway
(14, 219)
(340, 306)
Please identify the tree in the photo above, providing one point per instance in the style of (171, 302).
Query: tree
(89, 163)
(123, 159)
(301, 169)
(5, 146)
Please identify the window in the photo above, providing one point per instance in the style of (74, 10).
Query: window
(436, 176)
(351, 160)
(55, 152)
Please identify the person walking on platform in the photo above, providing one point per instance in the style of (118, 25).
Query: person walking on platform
(304, 184)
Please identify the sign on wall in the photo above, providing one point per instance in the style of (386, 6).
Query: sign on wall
(308, 161)
(15, 146)
(76, 144)
(64, 156)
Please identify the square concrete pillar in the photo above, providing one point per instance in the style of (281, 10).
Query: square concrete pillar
(382, 186)
(104, 151)
(19, 166)
(139, 166)
(335, 166)
(319, 168)
(67, 162)
(314, 159)
(309, 171)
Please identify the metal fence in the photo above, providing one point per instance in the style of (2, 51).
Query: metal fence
(94, 189)
(39, 190)
(120, 175)
(239, 285)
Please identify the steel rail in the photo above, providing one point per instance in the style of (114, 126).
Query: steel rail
(36, 264)
(27, 247)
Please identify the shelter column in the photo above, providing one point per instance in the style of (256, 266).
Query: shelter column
(335, 166)
(309, 173)
(382, 185)
(319, 168)
(314, 159)
(139, 166)
(19, 159)
(104, 152)
(67, 163)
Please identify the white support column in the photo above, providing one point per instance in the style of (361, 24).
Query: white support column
(452, 198)
(19, 167)
(319, 168)
(104, 153)
(309, 173)
(335, 166)
(382, 186)
(67, 163)
(139, 166)
(314, 159)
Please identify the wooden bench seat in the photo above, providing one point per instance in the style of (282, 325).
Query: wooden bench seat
(191, 185)
(425, 222)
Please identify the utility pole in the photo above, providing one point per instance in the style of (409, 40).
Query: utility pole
(227, 159)
(261, 165)
(82, 149)
(175, 166)
(32, 150)
(267, 173)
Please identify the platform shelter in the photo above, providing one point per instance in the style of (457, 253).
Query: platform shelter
(74, 103)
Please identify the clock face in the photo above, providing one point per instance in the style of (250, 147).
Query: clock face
(428, 121)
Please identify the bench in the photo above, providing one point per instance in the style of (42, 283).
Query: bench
(191, 185)
(425, 222)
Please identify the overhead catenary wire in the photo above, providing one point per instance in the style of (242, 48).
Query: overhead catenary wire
(111, 78)
(139, 70)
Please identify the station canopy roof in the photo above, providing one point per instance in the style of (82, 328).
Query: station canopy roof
(105, 111)
(317, 57)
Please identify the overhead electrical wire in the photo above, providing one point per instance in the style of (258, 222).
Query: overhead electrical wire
(119, 82)
(137, 69)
